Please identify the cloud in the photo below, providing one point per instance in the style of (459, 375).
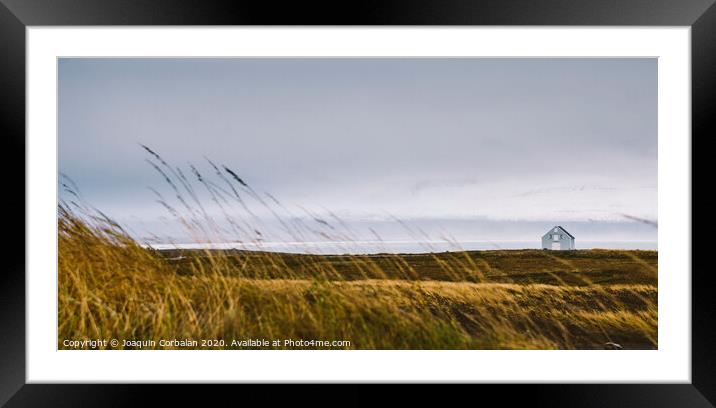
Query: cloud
(505, 139)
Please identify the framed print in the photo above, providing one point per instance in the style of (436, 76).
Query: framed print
(453, 194)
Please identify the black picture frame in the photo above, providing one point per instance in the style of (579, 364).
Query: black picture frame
(16, 15)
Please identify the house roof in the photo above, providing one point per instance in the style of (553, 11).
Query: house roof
(565, 231)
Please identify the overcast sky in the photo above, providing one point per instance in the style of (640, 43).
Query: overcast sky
(507, 140)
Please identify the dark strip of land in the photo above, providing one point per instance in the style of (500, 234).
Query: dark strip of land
(579, 267)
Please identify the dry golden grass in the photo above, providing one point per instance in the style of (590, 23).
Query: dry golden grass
(111, 287)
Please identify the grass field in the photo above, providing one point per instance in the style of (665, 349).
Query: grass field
(111, 287)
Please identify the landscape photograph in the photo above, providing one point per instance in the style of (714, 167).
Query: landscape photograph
(357, 204)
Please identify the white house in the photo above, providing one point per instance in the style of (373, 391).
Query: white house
(557, 238)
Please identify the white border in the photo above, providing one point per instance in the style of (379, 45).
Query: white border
(671, 363)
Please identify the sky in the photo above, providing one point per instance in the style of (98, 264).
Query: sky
(490, 148)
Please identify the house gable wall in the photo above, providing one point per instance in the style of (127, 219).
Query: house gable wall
(565, 242)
